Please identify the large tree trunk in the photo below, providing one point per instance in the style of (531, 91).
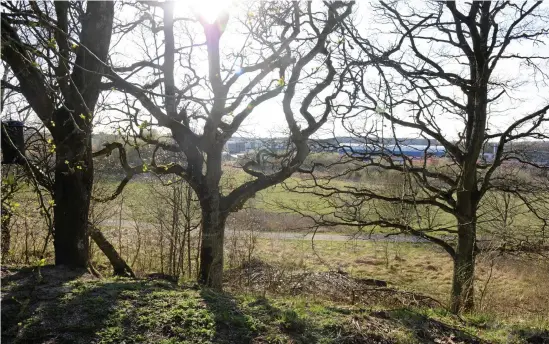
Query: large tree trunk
(462, 298)
(72, 190)
(119, 265)
(72, 133)
(211, 251)
(70, 125)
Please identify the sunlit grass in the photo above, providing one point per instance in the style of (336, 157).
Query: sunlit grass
(516, 289)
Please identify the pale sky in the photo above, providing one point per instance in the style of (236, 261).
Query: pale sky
(268, 118)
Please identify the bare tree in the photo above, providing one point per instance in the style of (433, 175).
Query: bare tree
(285, 43)
(437, 70)
(36, 169)
(55, 50)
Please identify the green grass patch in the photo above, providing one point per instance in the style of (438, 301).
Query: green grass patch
(67, 306)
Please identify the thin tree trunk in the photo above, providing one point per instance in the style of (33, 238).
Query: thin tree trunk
(189, 263)
(462, 298)
(26, 242)
(188, 229)
(161, 242)
(181, 256)
(172, 261)
(138, 248)
(181, 235)
(198, 250)
(120, 224)
(6, 235)
(119, 266)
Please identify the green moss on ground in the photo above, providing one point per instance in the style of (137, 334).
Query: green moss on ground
(67, 306)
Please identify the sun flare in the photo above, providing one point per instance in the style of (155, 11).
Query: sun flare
(208, 9)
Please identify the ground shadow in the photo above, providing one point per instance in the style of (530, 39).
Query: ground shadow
(426, 329)
(235, 326)
(530, 335)
(264, 322)
(27, 295)
(59, 305)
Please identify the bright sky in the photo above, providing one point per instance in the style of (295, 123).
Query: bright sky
(268, 118)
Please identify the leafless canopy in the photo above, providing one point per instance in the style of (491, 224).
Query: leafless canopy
(201, 93)
(451, 75)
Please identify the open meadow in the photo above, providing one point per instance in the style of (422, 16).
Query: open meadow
(273, 252)
(274, 172)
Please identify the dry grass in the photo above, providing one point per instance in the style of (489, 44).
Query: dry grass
(517, 289)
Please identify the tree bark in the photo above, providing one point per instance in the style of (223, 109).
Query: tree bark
(211, 251)
(72, 133)
(72, 190)
(71, 124)
(119, 265)
(462, 296)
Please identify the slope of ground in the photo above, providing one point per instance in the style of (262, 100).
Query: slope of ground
(55, 305)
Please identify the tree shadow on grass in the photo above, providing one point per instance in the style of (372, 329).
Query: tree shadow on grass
(260, 322)
(427, 330)
(60, 305)
(27, 297)
(231, 324)
(530, 335)
(263, 321)
(71, 306)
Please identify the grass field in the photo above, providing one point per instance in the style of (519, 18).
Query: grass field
(512, 295)
(64, 306)
(493, 217)
(515, 290)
